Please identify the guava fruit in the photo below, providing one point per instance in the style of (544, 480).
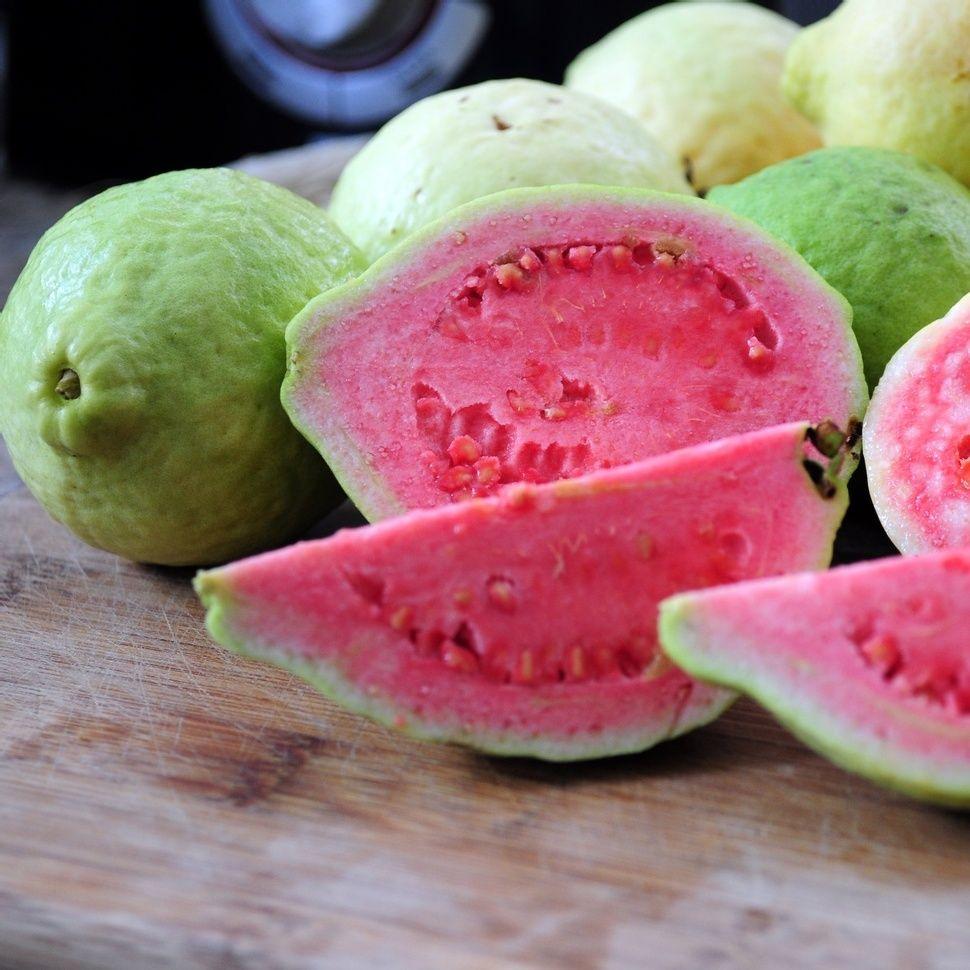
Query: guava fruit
(462, 144)
(542, 333)
(704, 79)
(525, 623)
(868, 664)
(917, 438)
(890, 232)
(141, 353)
(889, 73)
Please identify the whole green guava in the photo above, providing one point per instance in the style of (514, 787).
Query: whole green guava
(460, 145)
(704, 79)
(141, 356)
(891, 74)
(890, 232)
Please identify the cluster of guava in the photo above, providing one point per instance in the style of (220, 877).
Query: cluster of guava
(143, 349)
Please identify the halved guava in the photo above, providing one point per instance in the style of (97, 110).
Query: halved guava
(868, 664)
(525, 624)
(540, 334)
(917, 438)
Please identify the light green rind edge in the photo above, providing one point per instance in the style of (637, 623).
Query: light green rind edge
(217, 596)
(364, 486)
(813, 723)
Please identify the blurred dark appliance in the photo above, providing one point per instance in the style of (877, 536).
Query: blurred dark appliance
(116, 90)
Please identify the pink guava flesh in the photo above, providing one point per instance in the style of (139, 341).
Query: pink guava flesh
(525, 623)
(917, 438)
(870, 663)
(543, 334)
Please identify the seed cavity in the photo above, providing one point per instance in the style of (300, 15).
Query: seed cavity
(735, 545)
(940, 683)
(763, 342)
(765, 333)
(471, 454)
(368, 587)
(963, 459)
(463, 647)
(545, 403)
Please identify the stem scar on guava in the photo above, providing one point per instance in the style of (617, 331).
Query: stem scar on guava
(68, 384)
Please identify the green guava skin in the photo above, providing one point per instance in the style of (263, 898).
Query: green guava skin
(891, 74)
(889, 231)
(141, 356)
(456, 146)
(705, 81)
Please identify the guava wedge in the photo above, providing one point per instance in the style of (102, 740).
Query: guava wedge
(525, 623)
(868, 664)
(917, 438)
(540, 334)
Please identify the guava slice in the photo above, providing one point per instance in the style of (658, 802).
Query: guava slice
(868, 664)
(540, 334)
(525, 624)
(917, 438)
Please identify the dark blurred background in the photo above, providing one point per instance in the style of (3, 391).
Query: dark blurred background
(113, 90)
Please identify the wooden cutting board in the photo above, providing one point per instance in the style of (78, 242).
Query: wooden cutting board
(164, 804)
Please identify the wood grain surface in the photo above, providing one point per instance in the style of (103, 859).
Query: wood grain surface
(164, 804)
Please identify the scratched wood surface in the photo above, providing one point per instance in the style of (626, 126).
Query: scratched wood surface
(164, 804)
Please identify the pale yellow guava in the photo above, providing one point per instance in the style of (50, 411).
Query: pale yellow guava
(704, 78)
(889, 74)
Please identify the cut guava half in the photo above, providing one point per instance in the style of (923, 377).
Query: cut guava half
(540, 334)
(525, 623)
(868, 664)
(917, 438)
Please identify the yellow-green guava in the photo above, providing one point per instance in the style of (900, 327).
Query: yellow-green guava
(889, 73)
(141, 355)
(704, 79)
(460, 145)
(889, 231)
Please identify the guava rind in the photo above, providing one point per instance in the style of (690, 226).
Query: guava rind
(915, 438)
(440, 255)
(222, 626)
(890, 74)
(168, 298)
(300, 609)
(459, 145)
(890, 232)
(741, 637)
(704, 79)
